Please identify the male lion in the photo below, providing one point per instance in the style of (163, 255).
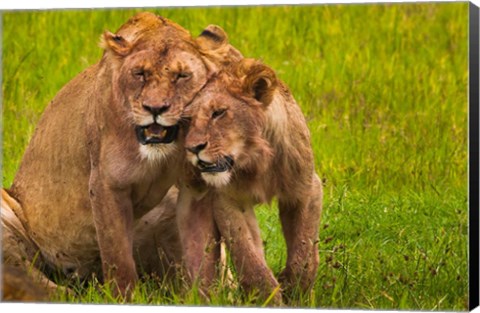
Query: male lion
(106, 151)
(248, 141)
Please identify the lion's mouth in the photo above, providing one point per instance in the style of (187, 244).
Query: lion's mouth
(156, 133)
(221, 165)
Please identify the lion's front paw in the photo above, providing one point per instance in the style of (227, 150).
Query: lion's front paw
(122, 282)
(297, 280)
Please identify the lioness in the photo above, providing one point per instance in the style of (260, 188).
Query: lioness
(249, 142)
(106, 151)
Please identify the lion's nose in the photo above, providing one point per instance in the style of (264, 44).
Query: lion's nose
(196, 149)
(156, 109)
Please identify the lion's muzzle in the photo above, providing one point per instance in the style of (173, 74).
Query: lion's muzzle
(222, 165)
(156, 133)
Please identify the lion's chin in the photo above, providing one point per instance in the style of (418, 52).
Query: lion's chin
(157, 153)
(156, 134)
(217, 179)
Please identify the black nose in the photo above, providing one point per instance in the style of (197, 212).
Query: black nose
(156, 110)
(196, 149)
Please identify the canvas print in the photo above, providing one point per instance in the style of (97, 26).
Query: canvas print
(303, 156)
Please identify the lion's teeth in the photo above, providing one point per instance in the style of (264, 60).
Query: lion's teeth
(147, 133)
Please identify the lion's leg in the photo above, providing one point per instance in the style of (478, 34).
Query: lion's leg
(254, 229)
(113, 218)
(240, 230)
(17, 285)
(300, 223)
(199, 237)
(156, 243)
(17, 248)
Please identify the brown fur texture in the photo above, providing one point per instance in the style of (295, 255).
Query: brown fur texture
(86, 182)
(17, 286)
(249, 142)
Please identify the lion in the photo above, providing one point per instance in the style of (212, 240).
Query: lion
(18, 286)
(248, 142)
(104, 154)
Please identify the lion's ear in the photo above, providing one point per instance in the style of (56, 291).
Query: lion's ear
(214, 46)
(212, 37)
(260, 81)
(115, 43)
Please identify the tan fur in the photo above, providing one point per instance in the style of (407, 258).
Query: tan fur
(18, 249)
(17, 286)
(85, 181)
(248, 115)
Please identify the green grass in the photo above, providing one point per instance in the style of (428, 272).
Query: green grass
(384, 90)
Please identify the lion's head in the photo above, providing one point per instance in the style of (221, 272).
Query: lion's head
(226, 134)
(157, 69)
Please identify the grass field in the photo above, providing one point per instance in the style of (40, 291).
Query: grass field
(384, 90)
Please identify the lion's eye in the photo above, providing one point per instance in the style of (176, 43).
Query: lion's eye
(218, 113)
(183, 75)
(139, 74)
